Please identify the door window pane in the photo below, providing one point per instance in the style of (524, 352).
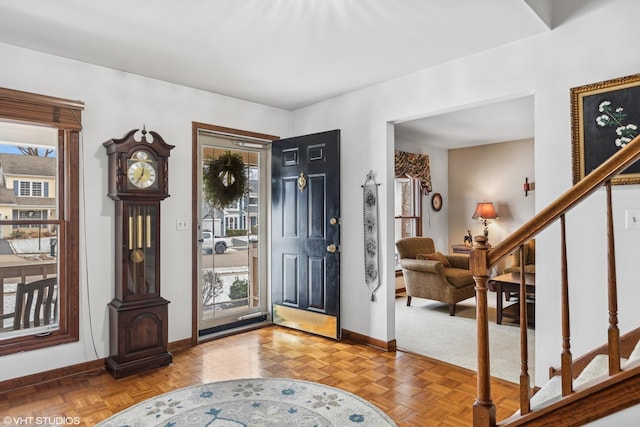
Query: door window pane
(231, 290)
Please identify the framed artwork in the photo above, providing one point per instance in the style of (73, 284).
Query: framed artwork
(605, 116)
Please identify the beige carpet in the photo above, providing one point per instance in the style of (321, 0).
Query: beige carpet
(426, 328)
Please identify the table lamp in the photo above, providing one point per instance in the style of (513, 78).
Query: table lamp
(485, 212)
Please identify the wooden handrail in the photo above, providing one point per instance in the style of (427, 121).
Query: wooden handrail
(589, 184)
(482, 259)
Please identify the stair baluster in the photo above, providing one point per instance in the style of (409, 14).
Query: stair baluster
(566, 359)
(613, 332)
(525, 380)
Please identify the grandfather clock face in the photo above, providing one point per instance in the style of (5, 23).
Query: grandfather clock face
(142, 171)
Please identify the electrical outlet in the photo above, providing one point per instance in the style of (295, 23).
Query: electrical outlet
(181, 224)
(633, 219)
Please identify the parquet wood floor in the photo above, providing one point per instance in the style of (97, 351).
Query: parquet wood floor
(411, 389)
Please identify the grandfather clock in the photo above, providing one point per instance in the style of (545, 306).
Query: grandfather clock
(138, 315)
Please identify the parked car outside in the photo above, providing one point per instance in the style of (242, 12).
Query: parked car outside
(212, 244)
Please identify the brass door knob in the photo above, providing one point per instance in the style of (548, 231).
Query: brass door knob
(333, 221)
(332, 248)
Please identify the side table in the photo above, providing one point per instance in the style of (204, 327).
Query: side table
(510, 282)
(461, 249)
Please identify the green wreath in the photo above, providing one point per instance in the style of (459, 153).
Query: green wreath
(224, 179)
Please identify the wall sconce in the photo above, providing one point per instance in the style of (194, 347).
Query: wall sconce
(484, 212)
(527, 187)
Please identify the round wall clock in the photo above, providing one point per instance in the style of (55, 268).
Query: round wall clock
(436, 202)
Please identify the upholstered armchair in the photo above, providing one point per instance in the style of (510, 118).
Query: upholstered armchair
(431, 275)
(529, 259)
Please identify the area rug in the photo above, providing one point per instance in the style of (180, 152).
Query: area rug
(253, 402)
(426, 328)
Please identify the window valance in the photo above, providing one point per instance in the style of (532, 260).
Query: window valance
(416, 166)
(24, 106)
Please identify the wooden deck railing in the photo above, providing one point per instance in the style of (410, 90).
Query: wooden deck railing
(22, 270)
(482, 259)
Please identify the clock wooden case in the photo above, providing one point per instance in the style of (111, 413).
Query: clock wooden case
(138, 315)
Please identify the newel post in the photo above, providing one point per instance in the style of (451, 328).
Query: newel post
(484, 411)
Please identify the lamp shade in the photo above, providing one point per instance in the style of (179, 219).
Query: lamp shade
(485, 210)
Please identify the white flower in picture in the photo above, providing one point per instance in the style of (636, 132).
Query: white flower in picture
(611, 117)
(626, 134)
(604, 105)
(602, 120)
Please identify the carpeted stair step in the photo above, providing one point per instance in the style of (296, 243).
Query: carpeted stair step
(598, 367)
(635, 354)
(549, 393)
(552, 390)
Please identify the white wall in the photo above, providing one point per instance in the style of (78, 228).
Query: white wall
(116, 102)
(494, 173)
(578, 52)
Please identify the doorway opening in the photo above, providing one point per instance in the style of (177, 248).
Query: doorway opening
(230, 233)
(473, 158)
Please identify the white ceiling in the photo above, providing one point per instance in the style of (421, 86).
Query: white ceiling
(283, 53)
(510, 120)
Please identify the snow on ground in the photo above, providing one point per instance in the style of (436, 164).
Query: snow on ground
(31, 246)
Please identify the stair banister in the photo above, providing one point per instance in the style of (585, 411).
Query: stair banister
(589, 184)
(482, 259)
